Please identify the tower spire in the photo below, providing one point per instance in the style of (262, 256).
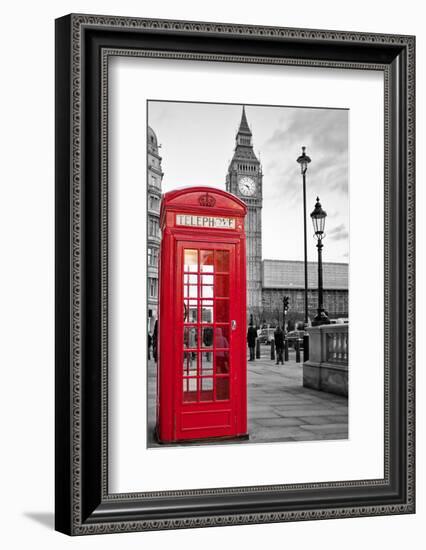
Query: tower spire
(244, 127)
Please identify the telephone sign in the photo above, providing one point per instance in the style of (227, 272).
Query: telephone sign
(205, 221)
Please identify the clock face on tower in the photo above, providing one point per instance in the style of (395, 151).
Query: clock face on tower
(246, 186)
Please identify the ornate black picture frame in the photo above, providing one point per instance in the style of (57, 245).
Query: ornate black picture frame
(83, 45)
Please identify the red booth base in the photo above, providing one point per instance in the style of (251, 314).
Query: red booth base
(227, 438)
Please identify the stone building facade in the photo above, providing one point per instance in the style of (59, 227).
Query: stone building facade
(286, 278)
(154, 179)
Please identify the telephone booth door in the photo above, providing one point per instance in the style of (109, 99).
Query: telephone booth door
(201, 371)
(205, 406)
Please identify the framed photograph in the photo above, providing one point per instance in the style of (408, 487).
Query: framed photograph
(234, 274)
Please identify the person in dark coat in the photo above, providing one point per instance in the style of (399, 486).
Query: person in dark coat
(154, 340)
(208, 341)
(251, 340)
(149, 345)
(279, 345)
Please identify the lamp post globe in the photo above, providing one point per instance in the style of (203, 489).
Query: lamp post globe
(303, 160)
(318, 220)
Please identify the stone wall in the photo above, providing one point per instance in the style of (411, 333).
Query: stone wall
(327, 368)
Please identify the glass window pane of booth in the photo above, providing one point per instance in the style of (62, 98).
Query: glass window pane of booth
(190, 311)
(222, 311)
(190, 260)
(189, 364)
(221, 336)
(207, 311)
(206, 363)
(189, 390)
(206, 391)
(222, 362)
(222, 388)
(207, 291)
(190, 291)
(190, 337)
(206, 261)
(221, 260)
(207, 337)
(190, 279)
(207, 279)
(222, 286)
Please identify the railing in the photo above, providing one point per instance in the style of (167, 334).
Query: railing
(337, 344)
(329, 344)
(327, 366)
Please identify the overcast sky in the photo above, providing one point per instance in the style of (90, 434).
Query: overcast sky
(197, 143)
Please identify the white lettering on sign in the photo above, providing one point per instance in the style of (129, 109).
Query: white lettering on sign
(213, 222)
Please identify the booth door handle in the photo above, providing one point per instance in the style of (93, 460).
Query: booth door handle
(234, 324)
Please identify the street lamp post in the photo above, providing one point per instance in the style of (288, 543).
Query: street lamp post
(304, 160)
(318, 219)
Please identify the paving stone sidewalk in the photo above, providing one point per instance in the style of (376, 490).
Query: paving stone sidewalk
(279, 407)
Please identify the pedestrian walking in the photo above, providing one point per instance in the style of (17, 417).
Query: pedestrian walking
(149, 345)
(251, 340)
(208, 341)
(279, 345)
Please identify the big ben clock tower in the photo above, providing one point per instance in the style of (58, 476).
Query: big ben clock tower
(244, 179)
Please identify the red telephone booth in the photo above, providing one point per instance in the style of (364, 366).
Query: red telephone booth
(201, 377)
